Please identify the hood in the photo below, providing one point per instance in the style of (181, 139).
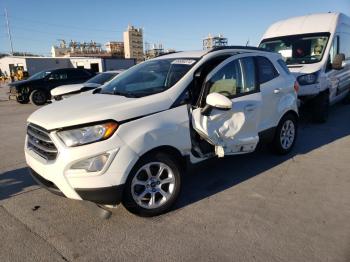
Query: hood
(23, 82)
(88, 107)
(303, 69)
(65, 89)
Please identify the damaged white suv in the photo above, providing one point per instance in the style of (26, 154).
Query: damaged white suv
(127, 141)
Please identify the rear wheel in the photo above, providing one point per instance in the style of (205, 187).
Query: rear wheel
(38, 97)
(153, 185)
(286, 134)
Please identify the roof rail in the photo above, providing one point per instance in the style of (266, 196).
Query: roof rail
(169, 53)
(253, 48)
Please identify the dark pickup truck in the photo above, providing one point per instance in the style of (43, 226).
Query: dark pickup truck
(36, 89)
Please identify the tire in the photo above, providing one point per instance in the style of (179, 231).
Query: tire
(285, 135)
(320, 108)
(152, 189)
(38, 97)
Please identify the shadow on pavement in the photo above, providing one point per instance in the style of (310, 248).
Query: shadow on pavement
(15, 182)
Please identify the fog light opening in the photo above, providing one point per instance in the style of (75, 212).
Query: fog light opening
(93, 164)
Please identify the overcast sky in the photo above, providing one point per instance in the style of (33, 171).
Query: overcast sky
(179, 24)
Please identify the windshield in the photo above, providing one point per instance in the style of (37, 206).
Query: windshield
(150, 77)
(298, 49)
(101, 78)
(39, 75)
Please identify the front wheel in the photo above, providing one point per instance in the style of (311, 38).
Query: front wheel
(286, 134)
(22, 100)
(153, 185)
(38, 97)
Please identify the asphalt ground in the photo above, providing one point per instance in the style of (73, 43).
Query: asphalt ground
(256, 207)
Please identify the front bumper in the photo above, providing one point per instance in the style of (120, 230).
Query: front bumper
(309, 90)
(104, 196)
(103, 187)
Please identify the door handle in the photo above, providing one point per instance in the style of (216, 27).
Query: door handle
(250, 108)
(277, 91)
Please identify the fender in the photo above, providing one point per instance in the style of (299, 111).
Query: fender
(287, 103)
(166, 128)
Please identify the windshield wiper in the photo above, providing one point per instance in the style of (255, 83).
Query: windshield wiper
(96, 91)
(126, 94)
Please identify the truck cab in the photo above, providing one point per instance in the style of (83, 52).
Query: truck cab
(316, 49)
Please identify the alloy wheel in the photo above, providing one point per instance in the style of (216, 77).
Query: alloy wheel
(287, 134)
(153, 185)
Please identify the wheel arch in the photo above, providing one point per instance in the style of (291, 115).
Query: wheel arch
(292, 112)
(170, 150)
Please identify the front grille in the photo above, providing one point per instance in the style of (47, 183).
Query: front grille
(40, 142)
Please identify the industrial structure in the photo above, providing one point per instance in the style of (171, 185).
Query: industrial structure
(75, 48)
(131, 48)
(152, 51)
(115, 48)
(214, 41)
(32, 65)
(133, 43)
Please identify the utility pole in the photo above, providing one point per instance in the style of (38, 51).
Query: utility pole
(9, 31)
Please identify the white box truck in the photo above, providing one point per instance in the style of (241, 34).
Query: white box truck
(316, 49)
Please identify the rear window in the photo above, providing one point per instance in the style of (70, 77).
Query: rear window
(267, 71)
(78, 74)
(284, 66)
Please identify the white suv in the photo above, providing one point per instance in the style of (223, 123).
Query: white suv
(127, 141)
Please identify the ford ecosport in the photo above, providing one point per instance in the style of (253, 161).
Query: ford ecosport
(127, 140)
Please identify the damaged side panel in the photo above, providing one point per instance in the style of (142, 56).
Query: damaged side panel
(231, 132)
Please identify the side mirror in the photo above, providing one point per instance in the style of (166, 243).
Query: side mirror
(217, 101)
(338, 62)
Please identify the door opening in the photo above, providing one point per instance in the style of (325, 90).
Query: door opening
(95, 67)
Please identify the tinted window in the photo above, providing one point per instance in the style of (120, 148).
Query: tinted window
(284, 66)
(345, 45)
(101, 78)
(58, 75)
(334, 48)
(267, 71)
(78, 74)
(248, 67)
(39, 75)
(235, 78)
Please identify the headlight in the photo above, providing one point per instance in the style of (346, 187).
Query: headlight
(308, 79)
(87, 134)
